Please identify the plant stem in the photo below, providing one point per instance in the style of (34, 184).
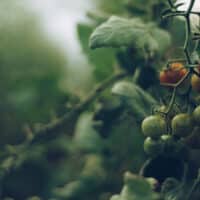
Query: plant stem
(171, 4)
(186, 14)
(172, 101)
(52, 129)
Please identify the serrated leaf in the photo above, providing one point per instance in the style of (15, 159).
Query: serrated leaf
(102, 68)
(122, 32)
(140, 102)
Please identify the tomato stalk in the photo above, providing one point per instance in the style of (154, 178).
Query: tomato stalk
(189, 64)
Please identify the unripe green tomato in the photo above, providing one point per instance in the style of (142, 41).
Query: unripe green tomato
(182, 125)
(169, 145)
(154, 126)
(196, 115)
(153, 147)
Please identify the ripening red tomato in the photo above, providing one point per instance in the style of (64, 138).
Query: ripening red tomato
(173, 74)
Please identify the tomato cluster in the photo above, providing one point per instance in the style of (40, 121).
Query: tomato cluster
(165, 135)
(166, 130)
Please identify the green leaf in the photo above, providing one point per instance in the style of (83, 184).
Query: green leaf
(85, 137)
(140, 102)
(125, 143)
(135, 188)
(102, 60)
(122, 32)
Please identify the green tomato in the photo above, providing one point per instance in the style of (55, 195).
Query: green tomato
(173, 148)
(196, 115)
(154, 126)
(153, 147)
(182, 125)
(169, 145)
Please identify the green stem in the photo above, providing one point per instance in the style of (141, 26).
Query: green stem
(190, 7)
(187, 39)
(172, 101)
(171, 4)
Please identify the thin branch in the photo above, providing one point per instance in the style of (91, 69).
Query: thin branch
(173, 14)
(187, 39)
(52, 129)
(190, 7)
(171, 3)
(172, 101)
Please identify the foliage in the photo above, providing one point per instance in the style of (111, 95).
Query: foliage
(120, 32)
(30, 70)
(101, 69)
(91, 143)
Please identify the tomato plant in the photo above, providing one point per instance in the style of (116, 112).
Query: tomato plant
(132, 124)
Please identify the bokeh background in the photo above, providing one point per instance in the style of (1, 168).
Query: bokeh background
(41, 59)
